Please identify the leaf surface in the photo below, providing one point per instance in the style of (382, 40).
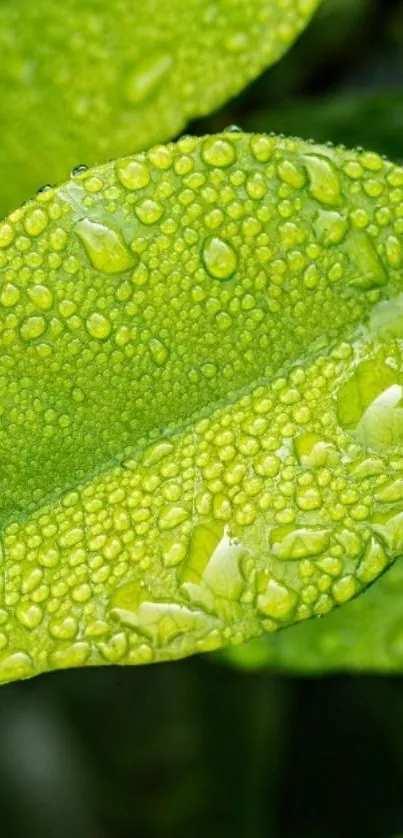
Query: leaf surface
(201, 419)
(84, 81)
(364, 636)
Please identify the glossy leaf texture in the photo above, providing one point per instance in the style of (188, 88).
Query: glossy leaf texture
(201, 376)
(83, 81)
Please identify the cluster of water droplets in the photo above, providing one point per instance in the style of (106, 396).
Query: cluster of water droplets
(207, 345)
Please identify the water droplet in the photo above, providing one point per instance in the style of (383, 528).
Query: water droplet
(156, 453)
(15, 666)
(29, 615)
(147, 77)
(115, 648)
(105, 247)
(219, 257)
(394, 252)
(218, 152)
(233, 129)
(256, 186)
(133, 174)
(159, 351)
(79, 170)
(344, 589)
(373, 561)
(32, 327)
(35, 221)
(324, 181)
(7, 234)
(291, 174)
(149, 211)
(290, 542)
(9, 295)
(45, 188)
(172, 516)
(370, 403)
(98, 326)
(41, 297)
(330, 227)
(277, 601)
(75, 655)
(211, 572)
(364, 257)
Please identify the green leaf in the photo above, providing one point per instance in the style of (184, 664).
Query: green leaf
(86, 81)
(365, 636)
(201, 399)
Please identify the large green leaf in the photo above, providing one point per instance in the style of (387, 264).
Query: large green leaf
(83, 80)
(201, 378)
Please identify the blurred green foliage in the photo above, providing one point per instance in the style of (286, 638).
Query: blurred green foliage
(197, 747)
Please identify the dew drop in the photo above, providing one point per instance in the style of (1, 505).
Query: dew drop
(219, 257)
(9, 295)
(212, 562)
(98, 326)
(172, 516)
(364, 259)
(330, 227)
(79, 170)
(370, 403)
(159, 351)
(277, 601)
(291, 542)
(324, 181)
(35, 221)
(32, 327)
(41, 296)
(132, 173)
(7, 234)
(218, 152)
(105, 247)
(149, 211)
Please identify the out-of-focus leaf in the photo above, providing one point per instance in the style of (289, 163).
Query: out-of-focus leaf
(201, 423)
(373, 120)
(84, 81)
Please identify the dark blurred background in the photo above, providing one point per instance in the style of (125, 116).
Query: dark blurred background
(198, 748)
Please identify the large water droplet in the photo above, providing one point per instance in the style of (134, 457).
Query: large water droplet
(370, 403)
(105, 247)
(330, 227)
(324, 180)
(368, 270)
(133, 174)
(218, 152)
(33, 327)
(291, 542)
(149, 211)
(98, 326)
(211, 571)
(219, 257)
(277, 601)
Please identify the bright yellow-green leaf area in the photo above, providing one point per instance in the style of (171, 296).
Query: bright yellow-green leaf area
(201, 413)
(83, 81)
